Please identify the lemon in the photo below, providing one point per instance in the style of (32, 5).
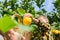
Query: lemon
(27, 21)
(55, 31)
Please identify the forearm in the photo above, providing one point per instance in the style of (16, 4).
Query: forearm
(35, 21)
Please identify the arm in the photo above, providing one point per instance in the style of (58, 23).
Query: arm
(18, 16)
(36, 21)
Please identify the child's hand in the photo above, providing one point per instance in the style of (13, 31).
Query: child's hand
(13, 35)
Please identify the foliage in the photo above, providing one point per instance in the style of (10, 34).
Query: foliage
(57, 5)
(6, 23)
(19, 10)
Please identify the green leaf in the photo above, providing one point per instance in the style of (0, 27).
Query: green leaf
(6, 23)
(14, 1)
(21, 11)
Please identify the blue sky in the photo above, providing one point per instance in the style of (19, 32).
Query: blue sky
(48, 5)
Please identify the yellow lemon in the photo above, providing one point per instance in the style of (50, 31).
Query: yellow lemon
(27, 21)
(55, 31)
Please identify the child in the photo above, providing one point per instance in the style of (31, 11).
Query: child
(44, 30)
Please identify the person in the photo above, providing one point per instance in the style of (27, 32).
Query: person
(44, 28)
(26, 35)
